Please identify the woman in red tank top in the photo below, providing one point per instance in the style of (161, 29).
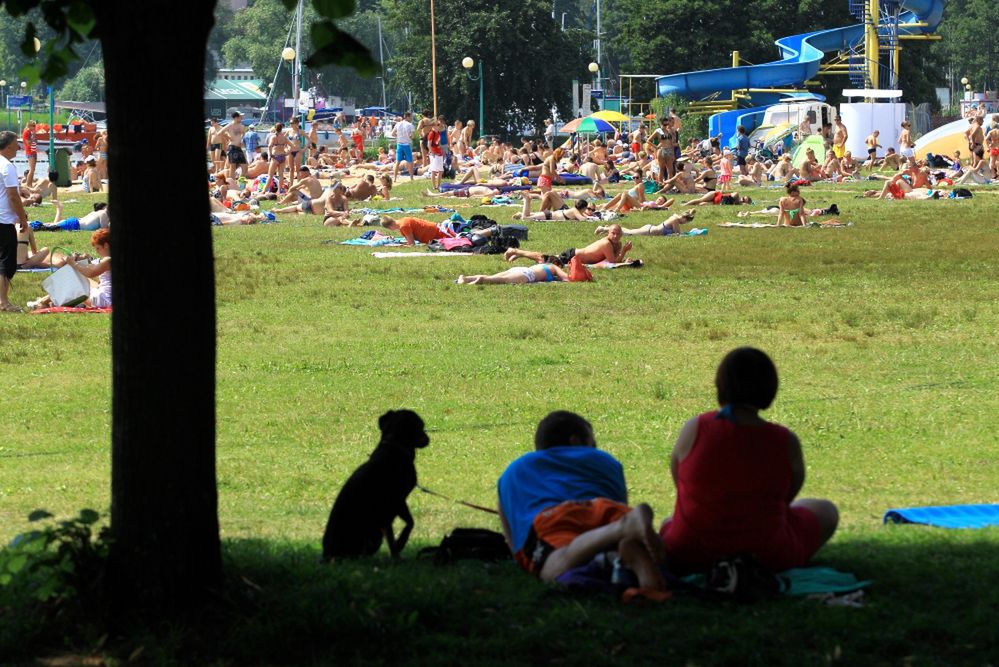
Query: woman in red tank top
(737, 477)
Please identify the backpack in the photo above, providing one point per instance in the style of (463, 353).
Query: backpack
(448, 166)
(469, 543)
(961, 193)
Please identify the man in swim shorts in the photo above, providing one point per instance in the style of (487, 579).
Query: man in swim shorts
(403, 146)
(840, 135)
(609, 249)
(566, 502)
(234, 133)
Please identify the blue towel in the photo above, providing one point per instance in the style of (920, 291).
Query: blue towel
(802, 581)
(947, 516)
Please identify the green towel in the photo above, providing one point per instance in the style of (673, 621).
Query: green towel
(807, 581)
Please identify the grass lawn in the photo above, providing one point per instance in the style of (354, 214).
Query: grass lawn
(884, 334)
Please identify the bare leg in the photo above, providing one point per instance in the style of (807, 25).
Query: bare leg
(824, 511)
(525, 213)
(513, 254)
(635, 526)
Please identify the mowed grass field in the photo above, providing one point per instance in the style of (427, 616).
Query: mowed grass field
(884, 335)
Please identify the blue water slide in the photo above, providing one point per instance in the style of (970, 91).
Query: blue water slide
(800, 59)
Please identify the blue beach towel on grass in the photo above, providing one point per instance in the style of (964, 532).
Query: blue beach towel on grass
(947, 516)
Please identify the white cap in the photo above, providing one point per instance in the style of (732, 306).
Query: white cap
(370, 219)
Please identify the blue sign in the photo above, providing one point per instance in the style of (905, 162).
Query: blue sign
(597, 94)
(19, 101)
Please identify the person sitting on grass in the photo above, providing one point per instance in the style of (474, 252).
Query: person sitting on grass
(539, 273)
(671, 225)
(791, 211)
(605, 250)
(581, 210)
(719, 198)
(336, 209)
(566, 502)
(305, 190)
(100, 296)
(414, 230)
(363, 189)
(737, 479)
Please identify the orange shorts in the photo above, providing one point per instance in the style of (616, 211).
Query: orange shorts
(557, 526)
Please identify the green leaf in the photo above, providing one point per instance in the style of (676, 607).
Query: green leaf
(5, 578)
(31, 74)
(334, 9)
(38, 515)
(89, 516)
(335, 47)
(17, 563)
(81, 18)
(20, 7)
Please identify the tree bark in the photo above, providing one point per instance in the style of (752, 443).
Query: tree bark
(164, 512)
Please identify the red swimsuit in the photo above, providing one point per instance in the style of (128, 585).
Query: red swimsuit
(732, 498)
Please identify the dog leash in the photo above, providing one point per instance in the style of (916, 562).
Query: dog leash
(460, 502)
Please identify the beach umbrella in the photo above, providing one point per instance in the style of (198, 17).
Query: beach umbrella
(588, 125)
(611, 116)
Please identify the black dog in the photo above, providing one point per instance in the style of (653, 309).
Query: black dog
(376, 493)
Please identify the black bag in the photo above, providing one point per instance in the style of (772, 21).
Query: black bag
(961, 193)
(469, 543)
(741, 578)
(448, 167)
(497, 245)
(518, 232)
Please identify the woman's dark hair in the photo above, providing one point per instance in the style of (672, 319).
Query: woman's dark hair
(792, 188)
(581, 204)
(746, 376)
(100, 206)
(560, 427)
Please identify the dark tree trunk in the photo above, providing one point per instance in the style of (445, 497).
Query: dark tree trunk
(164, 519)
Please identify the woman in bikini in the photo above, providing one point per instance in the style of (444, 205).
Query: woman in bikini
(278, 147)
(670, 226)
(791, 211)
(538, 273)
(720, 199)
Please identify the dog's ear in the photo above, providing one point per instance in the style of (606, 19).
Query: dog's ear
(385, 419)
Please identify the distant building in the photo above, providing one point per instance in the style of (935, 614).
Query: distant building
(243, 73)
(225, 94)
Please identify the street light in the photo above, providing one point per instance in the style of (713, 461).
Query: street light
(964, 81)
(468, 63)
(3, 98)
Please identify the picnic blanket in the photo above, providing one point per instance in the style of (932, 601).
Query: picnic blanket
(801, 581)
(630, 264)
(761, 225)
(947, 516)
(451, 187)
(386, 211)
(396, 255)
(376, 240)
(74, 310)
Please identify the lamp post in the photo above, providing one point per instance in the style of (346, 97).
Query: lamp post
(468, 63)
(288, 55)
(595, 71)
(24, 88)
(3, 98)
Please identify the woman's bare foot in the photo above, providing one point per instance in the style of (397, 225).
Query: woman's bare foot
(460, 280)
(602, 229)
